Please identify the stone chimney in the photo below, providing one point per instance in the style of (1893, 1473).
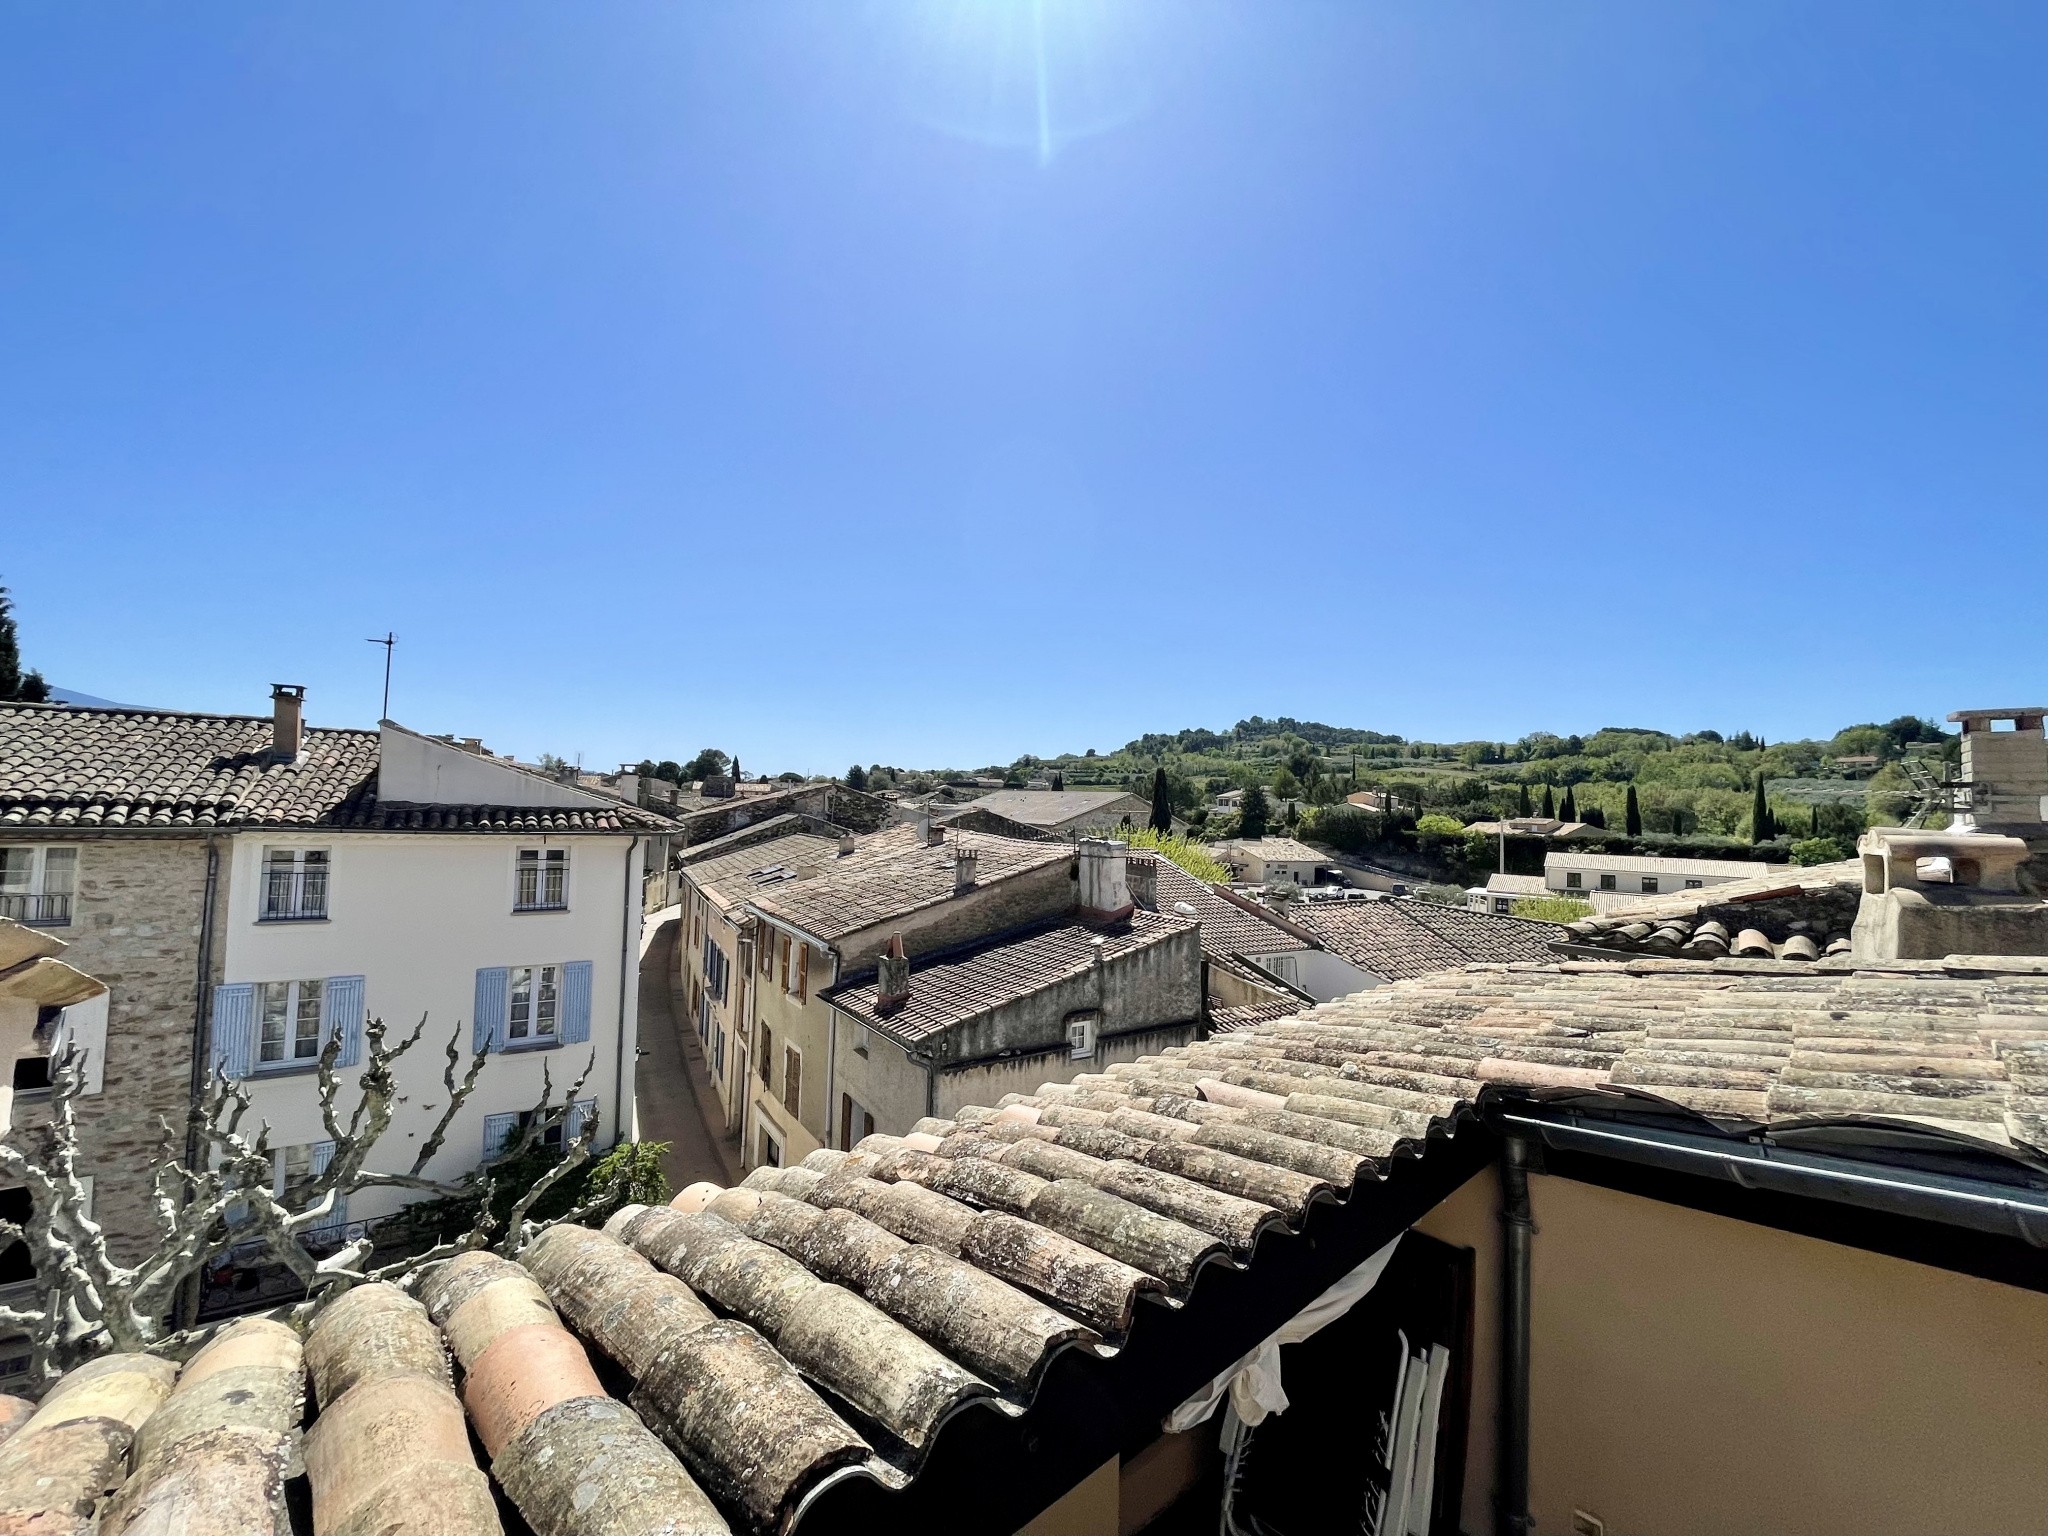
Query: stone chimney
(2007, 770)
(1141, 872)
(964, 860)
(934, 834)
(845, 844)
(287, 720)
(892, 977)
(1105, 891)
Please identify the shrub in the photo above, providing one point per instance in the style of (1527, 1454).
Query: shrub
(1818, 850)
(1436, 824)
(1190, 856)
(1552, 909)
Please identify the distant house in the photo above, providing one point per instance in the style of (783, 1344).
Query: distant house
(1273, 860)
(1540, 826)
(1501, 892)
(1374, 800)
(1067, 813)
(1587, 875)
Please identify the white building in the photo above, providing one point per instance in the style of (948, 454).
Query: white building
(504, 908)
(1273, 860)
(1501, 892)
(1587, 875)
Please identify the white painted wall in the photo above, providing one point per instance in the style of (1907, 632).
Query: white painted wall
(419, 770)
(1322, 975)
(416, 915)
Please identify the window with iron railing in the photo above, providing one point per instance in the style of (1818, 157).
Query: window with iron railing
(36, 885)
(294, 885)
(543, 881)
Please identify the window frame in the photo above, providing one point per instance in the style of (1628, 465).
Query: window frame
(297, 907)
(1650, 884)
(1573, 880)
(295, 1002)
(534, 1040)
(1607, 883)
(549, 867)
(793, 1081)
(36, 888)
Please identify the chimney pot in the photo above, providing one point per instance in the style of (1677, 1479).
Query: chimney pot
(287, 720)
(845, 844)
(892, 977)
(964, 860)
(1105, 891)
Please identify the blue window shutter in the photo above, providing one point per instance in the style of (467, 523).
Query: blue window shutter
(234, 1028)
(576, 1002)
(342, 1014)
(581, 1113)
(498, 1133)
(322, 1158)
(493, 985)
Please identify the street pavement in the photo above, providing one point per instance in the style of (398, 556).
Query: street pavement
(673, 1091)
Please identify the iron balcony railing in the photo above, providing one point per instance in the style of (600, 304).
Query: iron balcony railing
(52, 910)
(293, 895)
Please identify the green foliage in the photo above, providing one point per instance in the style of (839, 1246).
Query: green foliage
(1549, 803)
(1347, 828)
(1633, 814)
(1522, 800)
(1285, 784)
(1440, 827)
(1552, 909)
(706, 764)
(1162, 804)
(856, 777)
(1761, 827)
(1188, 854)
(16, 686)
(1818, 850)
(1569, 810)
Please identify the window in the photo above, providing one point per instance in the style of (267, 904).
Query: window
(785, 962)
(543, 884)
(1649, 885)
(1081, 1035)
(1504, 904)
(801, 990)
(288, 1022)
(536, 998)
(294, 885)
(36, 885)
(1571, 879)
(792, 1079)
(771, 1151)
(717, 970)
(1694, 885)
(1607, 882)
(718, 1051)
(855, 1121)
(767, 1054)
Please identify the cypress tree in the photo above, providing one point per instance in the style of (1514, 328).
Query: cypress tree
(1251, 819)
(15, 684)
(1162, 803)
(1815, 831)
(856, 777)
(1569, 811)
(1059, 780)
(1595, 817)
(1522, 799)
(1760, 829)
(1633, 815)
(1549, 805)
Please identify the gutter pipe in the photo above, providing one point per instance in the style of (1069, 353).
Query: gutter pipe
(627, 933)
(1518, 1230)
(185, 1308)
(1897, 1191)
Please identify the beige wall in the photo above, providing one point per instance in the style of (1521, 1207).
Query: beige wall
(1694, 1374)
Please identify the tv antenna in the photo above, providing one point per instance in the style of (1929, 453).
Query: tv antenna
(388, 641)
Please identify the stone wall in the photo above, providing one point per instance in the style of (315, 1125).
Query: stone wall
(136, 922)
(1012, 902)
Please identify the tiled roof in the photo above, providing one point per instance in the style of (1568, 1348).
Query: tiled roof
(1227, 929)
(1279, 848)
(1053, 807)
(763, 867)
(105, 769)
(951, 988)
(1787, 914)
(894, 873)
(890, 1338)
(1398, 939)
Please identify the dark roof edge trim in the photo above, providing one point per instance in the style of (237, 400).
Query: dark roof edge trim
(1896, 1192)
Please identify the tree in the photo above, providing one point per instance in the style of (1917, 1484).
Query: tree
(1059, 780)
(1285, 784)
(1522, 800)
(1549, 805)
(1252, 813)
(1162, 804)
(736, 774)
(231, 1202)
(1818, 850)
(856, 777)
(1569, 811)
(1632, 815)
(16, 686)
(707, 764)
(1596, 817)
(1761, 829)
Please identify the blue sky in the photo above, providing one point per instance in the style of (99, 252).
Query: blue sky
(935, 382)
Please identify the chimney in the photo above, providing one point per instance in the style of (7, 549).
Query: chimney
(964, 859)
(1105, 893)
(892, 977)
(287, 720)
(923, 822)
(1141, 872)
(845, 844)
(934, 834)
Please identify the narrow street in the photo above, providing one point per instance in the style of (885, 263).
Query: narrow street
(673, 1092)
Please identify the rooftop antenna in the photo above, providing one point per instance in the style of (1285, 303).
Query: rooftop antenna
(387, 640)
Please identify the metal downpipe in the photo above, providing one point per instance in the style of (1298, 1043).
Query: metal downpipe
(1518, 1230)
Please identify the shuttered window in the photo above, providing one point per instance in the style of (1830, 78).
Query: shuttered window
(767, 1054)
(792, 1080)
(803, 971)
